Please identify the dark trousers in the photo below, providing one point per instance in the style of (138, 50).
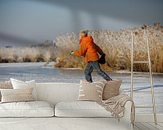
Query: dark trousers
(91, 65)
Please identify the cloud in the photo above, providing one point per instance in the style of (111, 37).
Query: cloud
(41, 20)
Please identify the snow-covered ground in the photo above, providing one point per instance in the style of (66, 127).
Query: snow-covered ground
(42, 73)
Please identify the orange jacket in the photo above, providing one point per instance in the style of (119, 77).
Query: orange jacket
(88, 49)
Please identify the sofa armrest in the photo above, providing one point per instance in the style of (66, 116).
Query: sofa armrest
(127, 112)
(126, 120)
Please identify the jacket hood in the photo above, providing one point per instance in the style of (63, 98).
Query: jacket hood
(87, 39)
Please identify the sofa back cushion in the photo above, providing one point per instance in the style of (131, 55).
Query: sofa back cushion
(56, 92)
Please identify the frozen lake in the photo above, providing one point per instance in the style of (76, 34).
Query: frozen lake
(41, 73)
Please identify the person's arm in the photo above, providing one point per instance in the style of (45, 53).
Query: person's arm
(82, 50)
(99, 50)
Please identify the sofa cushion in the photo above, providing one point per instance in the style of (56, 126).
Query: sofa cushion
(80, 109)
(5, 85)
(111, 89)
(18, 84)
(26, 109)
(16, 95)
(91, 91)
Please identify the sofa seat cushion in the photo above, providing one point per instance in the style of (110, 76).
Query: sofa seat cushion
(80, 109)
(26, 109)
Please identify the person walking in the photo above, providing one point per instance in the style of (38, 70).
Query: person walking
(90, 51)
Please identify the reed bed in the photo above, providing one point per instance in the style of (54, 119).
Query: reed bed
(117, 47)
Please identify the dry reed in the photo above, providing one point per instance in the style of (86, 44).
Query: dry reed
(117, 47)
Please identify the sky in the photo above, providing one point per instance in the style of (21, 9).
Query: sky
(40, 20)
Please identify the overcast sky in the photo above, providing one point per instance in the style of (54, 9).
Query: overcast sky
(40, 20)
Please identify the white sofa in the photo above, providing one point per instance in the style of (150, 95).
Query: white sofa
(58, 101)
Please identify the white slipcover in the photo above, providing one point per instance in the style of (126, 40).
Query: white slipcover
(26, 109)
(80, 109)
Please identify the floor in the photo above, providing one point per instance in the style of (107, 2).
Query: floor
(148, 126)
(73, 124)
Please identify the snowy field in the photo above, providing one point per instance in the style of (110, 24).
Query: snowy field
(42, 73)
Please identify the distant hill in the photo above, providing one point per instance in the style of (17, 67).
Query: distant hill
(9, 41)
(47, 43)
